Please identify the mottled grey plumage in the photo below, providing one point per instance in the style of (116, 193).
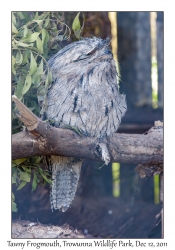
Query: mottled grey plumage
(65, 175)
(84, 94)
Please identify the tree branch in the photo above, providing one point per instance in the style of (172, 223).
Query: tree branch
(43, 139)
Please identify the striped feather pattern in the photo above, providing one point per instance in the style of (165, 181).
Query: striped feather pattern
(84, 94)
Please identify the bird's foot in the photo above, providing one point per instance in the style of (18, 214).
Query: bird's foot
(104, 153)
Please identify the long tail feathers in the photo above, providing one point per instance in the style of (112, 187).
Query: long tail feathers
(65, 176)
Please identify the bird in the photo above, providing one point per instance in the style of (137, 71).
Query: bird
(84, 94)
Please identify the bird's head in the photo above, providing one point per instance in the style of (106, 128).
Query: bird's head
(85, 51)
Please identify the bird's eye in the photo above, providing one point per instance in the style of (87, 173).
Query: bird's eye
(92, 51)
(82, 57)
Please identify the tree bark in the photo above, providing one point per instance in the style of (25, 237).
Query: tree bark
(42, 139)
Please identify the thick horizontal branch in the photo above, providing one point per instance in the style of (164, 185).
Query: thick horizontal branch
(43, 139)
(123, 148)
